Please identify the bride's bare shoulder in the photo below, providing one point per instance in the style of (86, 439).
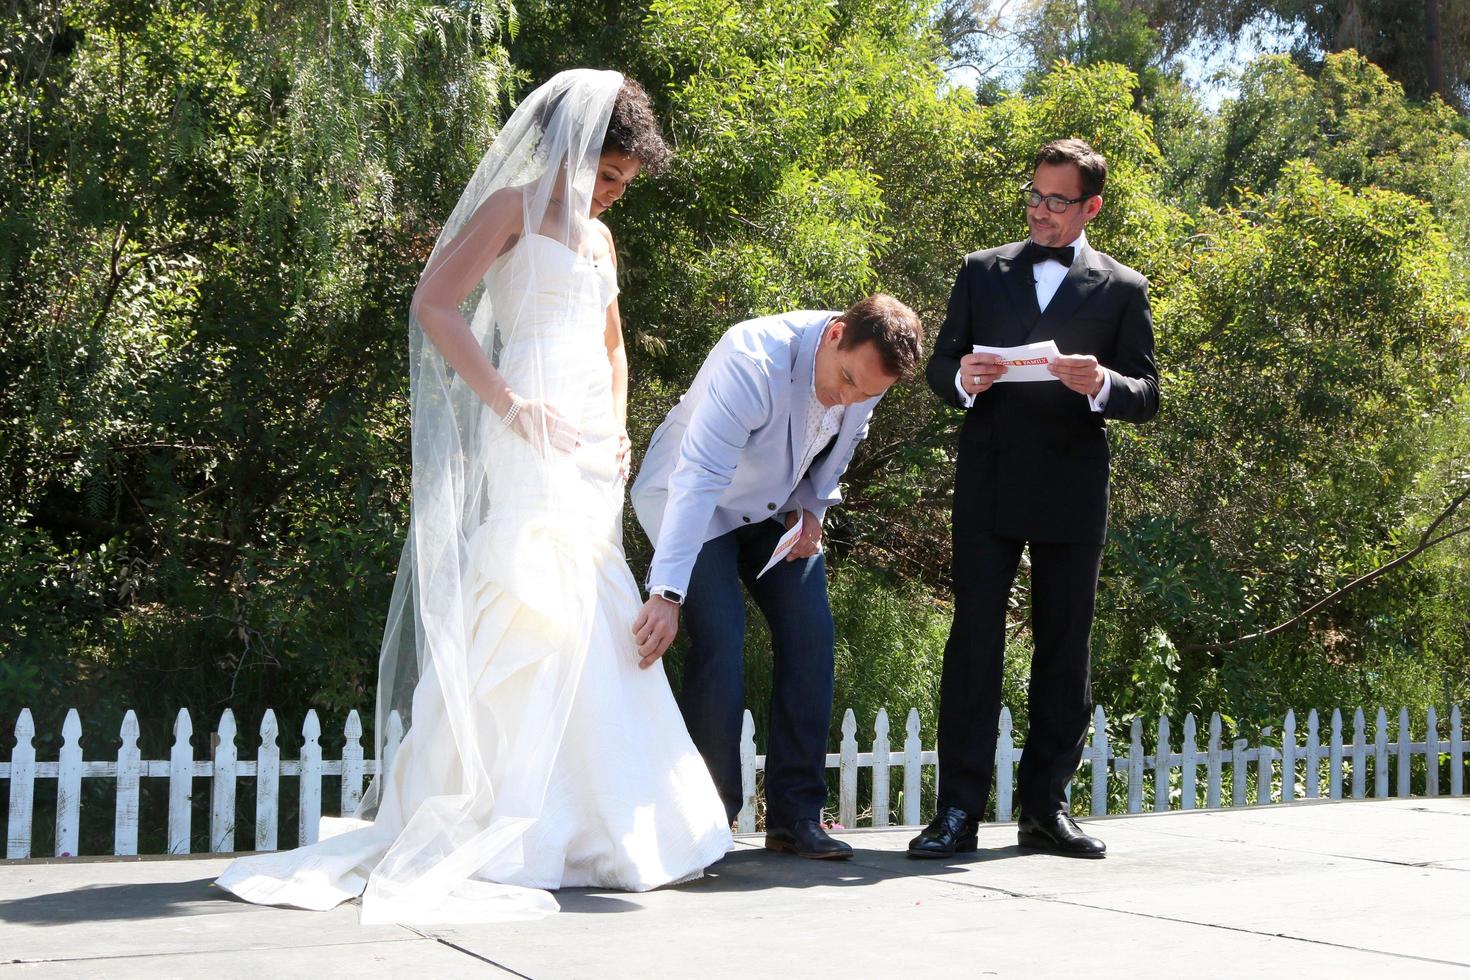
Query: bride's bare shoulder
(503, 208)
(606, 234)
(498, 221)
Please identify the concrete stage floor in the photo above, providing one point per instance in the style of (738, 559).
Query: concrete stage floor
(1337, 888)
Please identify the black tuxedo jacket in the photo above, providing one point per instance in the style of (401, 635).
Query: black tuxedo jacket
(1033, 459)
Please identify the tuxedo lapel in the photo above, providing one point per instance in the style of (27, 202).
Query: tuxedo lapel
(1082, 280)
(1021, 288)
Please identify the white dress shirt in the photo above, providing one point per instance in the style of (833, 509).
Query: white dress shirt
(821, 425)
(1048, 276)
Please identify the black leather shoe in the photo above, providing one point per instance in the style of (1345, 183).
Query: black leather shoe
(952, 831)
(807, 839)
(1057, 833)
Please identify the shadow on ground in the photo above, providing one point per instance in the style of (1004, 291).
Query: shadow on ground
(113, 903)
(754, 869)
(746, 868)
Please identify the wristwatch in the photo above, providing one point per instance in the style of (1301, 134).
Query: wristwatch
(672, 595)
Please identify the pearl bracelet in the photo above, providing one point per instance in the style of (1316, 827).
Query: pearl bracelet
(512, 412)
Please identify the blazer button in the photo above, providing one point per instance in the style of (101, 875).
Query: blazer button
(770, 506)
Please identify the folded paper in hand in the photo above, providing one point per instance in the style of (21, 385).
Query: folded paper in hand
(784, 546)
(1025, 363)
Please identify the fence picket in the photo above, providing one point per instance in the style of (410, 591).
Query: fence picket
(1099, 762)
(180, 784)
(394, 739)
(1380, 755)
(1214, 762)
(1237, 773)
(1288, 757)
(1431, 752)
(880, 769)
(1135, 766)
(22, 788)
(1334, 758)
(1263, 768)
(1359, 758)
(1313, 782)
(913, 750)
(310, 812)
(352, 768)
(847, 772)
(129, 764)
(1004, 775)
(1404, 753)
(69, 786)
(1161, 766)
(1457, 754)
(222, 787)
(745, 822)
(1189, 765)
(267, 784)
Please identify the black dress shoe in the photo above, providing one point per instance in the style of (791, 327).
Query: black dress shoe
(1057, 833)
(807, 839)
(952, 831)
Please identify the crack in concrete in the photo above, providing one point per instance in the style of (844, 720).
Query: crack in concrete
(1055, 900)
(1175, 835)
(1259, 932)
(469, 952)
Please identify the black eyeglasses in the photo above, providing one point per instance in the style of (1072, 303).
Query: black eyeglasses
(1055, 203)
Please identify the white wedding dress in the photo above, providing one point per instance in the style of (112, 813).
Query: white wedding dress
(591, 778)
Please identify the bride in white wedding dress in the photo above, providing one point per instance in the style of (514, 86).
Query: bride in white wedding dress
(537, 754)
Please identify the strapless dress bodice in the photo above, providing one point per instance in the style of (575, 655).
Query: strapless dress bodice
(550, 307)
(543, 288)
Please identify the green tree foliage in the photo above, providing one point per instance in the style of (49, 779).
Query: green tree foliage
(1350, 119)
(1313, 343)
(1395, 34)
(1152, 37)
(212, 224)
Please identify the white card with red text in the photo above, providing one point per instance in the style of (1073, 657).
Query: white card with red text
(784, 546)
(1025, 363)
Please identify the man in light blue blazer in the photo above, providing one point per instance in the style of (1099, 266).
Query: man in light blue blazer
(759, 442)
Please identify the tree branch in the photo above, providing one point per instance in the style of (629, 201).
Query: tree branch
(114, 278)
(1427, 540)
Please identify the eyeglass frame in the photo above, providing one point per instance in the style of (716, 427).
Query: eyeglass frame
(1032, 198)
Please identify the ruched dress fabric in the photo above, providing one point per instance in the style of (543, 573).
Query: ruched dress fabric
(591, 777)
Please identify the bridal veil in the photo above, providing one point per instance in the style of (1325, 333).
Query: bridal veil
(478, 487)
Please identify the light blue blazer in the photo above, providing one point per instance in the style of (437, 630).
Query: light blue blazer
(727, 454)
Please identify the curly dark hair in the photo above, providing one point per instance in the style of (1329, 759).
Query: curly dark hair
(633, 129)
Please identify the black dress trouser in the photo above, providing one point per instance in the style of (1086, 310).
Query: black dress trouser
(1063, 593)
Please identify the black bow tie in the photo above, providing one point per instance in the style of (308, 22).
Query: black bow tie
(1034, 253)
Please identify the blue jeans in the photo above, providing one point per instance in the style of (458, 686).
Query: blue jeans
(793, 598)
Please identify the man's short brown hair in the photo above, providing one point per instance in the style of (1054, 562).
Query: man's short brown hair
(892, 327)
(1080, 154)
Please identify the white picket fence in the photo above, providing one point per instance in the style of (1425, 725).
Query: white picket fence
(1286, 768)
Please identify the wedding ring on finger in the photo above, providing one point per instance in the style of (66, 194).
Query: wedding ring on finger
(975, 379)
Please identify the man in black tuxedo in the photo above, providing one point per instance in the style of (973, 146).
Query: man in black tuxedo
(1033, 472)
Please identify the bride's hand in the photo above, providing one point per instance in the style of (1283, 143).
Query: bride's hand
(625, 456)
(542, 425)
